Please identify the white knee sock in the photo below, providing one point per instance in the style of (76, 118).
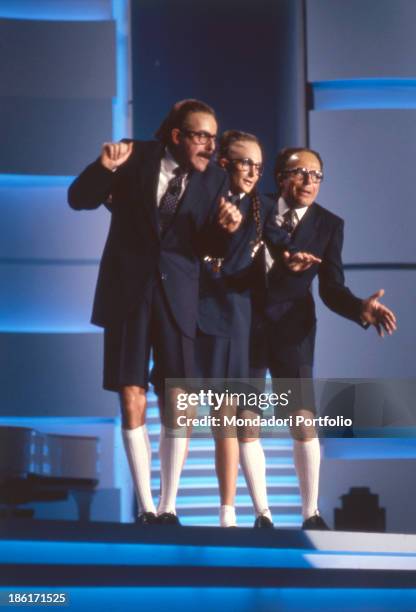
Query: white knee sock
(307, 456)
(172, 452)
(227, 516)
(137, 445)
(253, 462)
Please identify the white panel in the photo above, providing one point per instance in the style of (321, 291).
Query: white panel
(368, 166)
(38, 223)
(345, 350)
(360, 38)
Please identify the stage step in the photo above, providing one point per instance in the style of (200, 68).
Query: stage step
(208, 569)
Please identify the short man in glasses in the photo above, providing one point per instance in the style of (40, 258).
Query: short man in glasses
(167, 208)
(222, 343)
(283, 333)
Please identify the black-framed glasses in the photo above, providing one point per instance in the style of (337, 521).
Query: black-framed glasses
(245, 164)
(303, 173)
(200, 137)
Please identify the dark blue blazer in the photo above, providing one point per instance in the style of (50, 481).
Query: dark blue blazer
(288, 296)
(136, 255)
(225, 296)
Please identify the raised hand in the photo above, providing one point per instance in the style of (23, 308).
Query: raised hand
(300, 261)
(378, 315)
(114, 154)
(229, 216)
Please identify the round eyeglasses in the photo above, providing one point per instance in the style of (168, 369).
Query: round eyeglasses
(246, 164)
(200, 137)
(303, 173)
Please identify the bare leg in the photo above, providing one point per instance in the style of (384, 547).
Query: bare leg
(226, 465)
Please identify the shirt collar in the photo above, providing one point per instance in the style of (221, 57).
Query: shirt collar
(168, 164)
(283, 207)
(240, 195)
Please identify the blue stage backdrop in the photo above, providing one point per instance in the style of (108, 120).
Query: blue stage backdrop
(244, 58)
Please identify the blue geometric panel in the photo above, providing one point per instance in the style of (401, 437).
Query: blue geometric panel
(50, 136)
(364, 93)
(345, 350)
(58, 59)
(38, 223)
(46, 298)
(51, 10)
(53, 375)
(355, 39)
(368, 160)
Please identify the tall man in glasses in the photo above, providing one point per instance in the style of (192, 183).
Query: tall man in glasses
(283, 332)
(168, 208)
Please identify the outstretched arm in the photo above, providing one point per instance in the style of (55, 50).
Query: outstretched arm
(377, 314)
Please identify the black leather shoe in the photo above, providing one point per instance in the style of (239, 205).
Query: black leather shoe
(146, 518)
(168, 518)
(315, 523)
(263, 522)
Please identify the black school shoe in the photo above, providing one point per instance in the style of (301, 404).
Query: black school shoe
(147, 518)
(263, 522)
(315, 523)
(168, 518)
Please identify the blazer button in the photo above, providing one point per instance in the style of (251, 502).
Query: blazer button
(164, 276)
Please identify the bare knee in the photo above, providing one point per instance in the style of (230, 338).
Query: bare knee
(249, 431)
(133, 406)
(303, 432)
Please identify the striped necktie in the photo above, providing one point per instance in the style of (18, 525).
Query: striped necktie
(290, 221)
(170, 200)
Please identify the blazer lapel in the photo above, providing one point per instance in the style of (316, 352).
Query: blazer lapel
(193, 195)
(305, 231)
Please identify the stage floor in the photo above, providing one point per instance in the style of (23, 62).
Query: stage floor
(122, 566)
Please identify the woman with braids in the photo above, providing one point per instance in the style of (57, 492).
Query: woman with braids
(222, 343)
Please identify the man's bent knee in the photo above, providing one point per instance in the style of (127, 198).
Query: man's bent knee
(133, 406)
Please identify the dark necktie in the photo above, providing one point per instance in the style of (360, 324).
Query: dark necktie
(289, 221)
(170, 200)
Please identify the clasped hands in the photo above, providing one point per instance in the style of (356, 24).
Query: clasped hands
(229, 216)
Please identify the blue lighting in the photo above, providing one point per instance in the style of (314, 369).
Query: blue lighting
(46, 422)
(289, 521)
(103, 553)
(51, 10)
(31, 180)
(204, 599)
(207, 501)
(370, 448)
(121, 101)
(17, 327)
(364, 94)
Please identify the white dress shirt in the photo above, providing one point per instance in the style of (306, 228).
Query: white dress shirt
(283, 207)
(167, 171)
